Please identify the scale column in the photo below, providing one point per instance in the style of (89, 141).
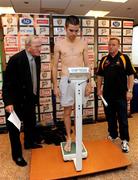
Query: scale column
(78, 119)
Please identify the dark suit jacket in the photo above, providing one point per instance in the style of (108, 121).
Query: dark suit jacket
(17, 83)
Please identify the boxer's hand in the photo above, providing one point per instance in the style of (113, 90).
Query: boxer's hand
(88, 89)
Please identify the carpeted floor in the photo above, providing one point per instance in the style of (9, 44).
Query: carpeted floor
(10, 171)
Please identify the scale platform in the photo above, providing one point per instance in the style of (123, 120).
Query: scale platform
(69, 156)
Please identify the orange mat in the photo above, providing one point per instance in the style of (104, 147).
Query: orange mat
(47, 163)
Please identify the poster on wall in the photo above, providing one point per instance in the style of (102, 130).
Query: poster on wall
(116, 23)
(88, 22)
(103, 31)
(103, 23)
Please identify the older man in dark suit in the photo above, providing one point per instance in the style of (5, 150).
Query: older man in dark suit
(20, 93)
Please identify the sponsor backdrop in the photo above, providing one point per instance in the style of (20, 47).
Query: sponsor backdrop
(16, 27)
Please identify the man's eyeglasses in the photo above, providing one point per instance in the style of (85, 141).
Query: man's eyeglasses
(76, 31)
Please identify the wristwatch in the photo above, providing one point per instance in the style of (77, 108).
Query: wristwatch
(129, 90)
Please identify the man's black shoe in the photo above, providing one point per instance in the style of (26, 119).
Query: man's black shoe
(20, 161)
(32, 146)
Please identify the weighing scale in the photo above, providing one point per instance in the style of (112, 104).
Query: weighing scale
(78, 76)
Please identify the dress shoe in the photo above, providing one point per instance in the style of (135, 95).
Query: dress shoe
(32, 146)
(20, 161)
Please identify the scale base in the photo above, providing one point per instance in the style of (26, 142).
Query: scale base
(69, 156)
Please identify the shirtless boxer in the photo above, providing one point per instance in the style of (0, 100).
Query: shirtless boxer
(73, 52)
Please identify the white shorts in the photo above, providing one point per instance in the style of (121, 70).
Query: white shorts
(67, 90)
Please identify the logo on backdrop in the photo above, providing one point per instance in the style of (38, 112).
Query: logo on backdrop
(26, 21)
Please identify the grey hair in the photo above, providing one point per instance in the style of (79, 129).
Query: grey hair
(29, 40)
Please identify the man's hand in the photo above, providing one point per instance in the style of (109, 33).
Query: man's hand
(129, 95)
(99, 92)
(9, 108)
(57, 92)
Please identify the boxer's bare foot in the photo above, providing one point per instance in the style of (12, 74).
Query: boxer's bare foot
(67, 146)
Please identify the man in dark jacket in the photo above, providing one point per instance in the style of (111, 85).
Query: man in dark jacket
(20, 94)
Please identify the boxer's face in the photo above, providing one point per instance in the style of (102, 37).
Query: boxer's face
(72, 31)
